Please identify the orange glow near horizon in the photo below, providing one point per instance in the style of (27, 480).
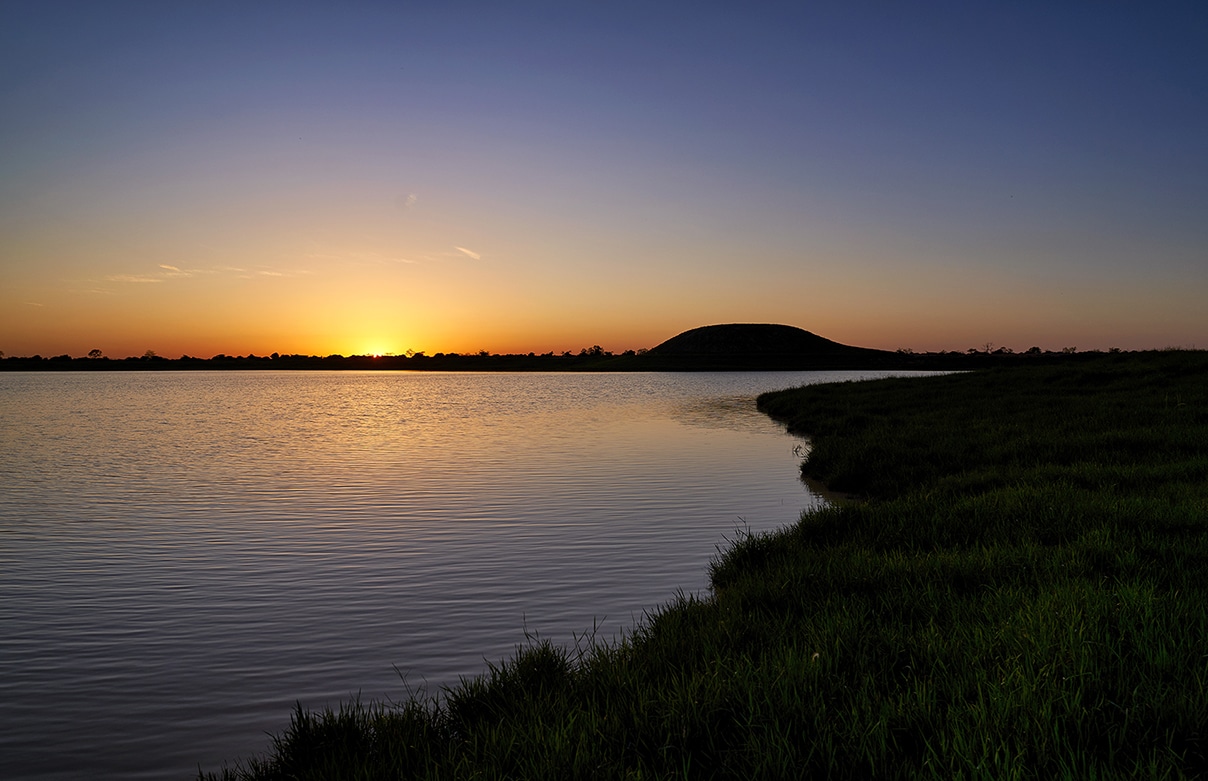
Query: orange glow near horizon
(506, 303)
(48, 336)
(458, 305)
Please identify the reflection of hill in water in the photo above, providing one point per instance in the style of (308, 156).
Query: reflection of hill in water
(732, 413)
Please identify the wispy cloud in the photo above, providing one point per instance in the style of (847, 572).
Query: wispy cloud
(360, 257)
(469, 252)
(259, 273)
(177, 271)
(168, 271)
(33, 303)
(246, 273)
(135, 278)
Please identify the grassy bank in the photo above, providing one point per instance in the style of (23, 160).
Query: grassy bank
(1022, 594)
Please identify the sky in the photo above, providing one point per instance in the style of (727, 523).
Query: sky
(374, 177)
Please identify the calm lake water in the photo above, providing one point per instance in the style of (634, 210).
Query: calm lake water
(183, 556)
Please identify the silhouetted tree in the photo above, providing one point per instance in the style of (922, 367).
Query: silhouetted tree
(94, 354)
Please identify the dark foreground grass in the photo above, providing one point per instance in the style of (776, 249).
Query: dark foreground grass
(1022, 594)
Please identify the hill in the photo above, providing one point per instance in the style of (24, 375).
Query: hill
(761, 346)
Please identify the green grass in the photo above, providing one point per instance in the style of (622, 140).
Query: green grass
(1020, 593)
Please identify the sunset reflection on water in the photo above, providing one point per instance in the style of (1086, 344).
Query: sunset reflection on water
(185, 555)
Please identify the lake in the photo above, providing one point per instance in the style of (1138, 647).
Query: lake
(185, 555)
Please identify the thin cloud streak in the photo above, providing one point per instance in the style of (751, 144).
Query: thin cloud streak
(175, 272)
(469, 252)
(359, 257)
(134, 278)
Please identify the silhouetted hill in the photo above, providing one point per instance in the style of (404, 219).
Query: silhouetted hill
(761, 346)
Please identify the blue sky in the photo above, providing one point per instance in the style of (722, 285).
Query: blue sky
(232, 177)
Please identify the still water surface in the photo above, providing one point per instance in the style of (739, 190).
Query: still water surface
(183, 556)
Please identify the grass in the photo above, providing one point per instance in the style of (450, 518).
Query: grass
(1020, 593)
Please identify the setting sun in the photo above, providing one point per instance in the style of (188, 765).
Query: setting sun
(378, 350)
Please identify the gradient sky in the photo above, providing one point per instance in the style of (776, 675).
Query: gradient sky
(235, 177)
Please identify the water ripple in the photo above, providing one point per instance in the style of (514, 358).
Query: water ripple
(184, 555)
